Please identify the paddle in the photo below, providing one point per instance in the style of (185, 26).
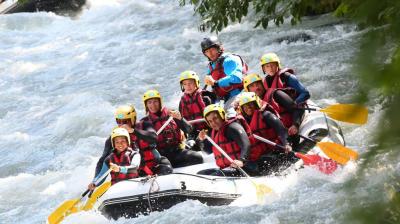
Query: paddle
(196, 121)
(96, 194)
(337, 152)
(164, 125)
(324, 165)
(261, 189)
(351, 113)
(69, 206)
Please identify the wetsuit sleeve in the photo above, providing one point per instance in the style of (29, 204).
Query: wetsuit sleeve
(106, 152)
(304, 94)
(286, 102)
(148, 133)
(184, 125)
(135, 163)
(235, 132)
(273, 121)
(233, 71)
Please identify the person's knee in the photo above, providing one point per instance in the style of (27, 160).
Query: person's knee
(164, 169)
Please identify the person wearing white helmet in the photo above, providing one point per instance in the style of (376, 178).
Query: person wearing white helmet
(225, 72)
(142, 136)
(124, 161)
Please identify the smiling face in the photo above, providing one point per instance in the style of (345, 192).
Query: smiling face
(153, 105)
(214, 120)
(120, 143)
(249, 108)
(189, 86)
(212, 53)
(270, 68)
(257, 88)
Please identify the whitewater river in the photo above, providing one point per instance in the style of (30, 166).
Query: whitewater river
(61, 78)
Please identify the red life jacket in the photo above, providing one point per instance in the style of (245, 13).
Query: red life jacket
(231, 147)
(276, 84)
(171, 136)
(284, 115)
(122, 159)
(146, 153)
(259, 127)
(191, 108)
(218, 73)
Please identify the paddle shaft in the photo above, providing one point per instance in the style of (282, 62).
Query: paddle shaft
(196, 121)
(164, 125)
(307, 138)
(97, 182)
(269, 142)
(273, 144)
(226, 155)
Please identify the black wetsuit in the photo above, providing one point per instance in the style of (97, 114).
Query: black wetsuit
(235, 132)
(271, 120)
(285, 101)
(180, 156)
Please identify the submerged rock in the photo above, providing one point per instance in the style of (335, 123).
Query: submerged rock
(56, 6)
(303, 37)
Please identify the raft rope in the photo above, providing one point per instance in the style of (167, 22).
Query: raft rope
(154, 186)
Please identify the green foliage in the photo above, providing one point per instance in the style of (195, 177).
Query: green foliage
(23, 1)
(216, 14)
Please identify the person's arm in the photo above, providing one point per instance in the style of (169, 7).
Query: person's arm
(235, 132)
(304, 94)
(184, 125)
(273, 121)
(284, 100)
(181, 122)
(148, 133)
(233, 71)
(208, 97)
(106, 152)
(135, 163)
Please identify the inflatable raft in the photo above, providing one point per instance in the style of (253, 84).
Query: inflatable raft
(134, 197)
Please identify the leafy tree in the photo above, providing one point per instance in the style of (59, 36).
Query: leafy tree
(377, 65)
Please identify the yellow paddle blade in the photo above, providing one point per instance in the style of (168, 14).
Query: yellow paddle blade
(96, 194)
(351, 113)
(63, 210)
(261, 191)
(338, 152)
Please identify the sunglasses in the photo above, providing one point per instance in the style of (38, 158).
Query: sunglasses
(123, 121)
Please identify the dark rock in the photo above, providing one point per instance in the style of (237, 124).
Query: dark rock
(294, 38)
(56, 6)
